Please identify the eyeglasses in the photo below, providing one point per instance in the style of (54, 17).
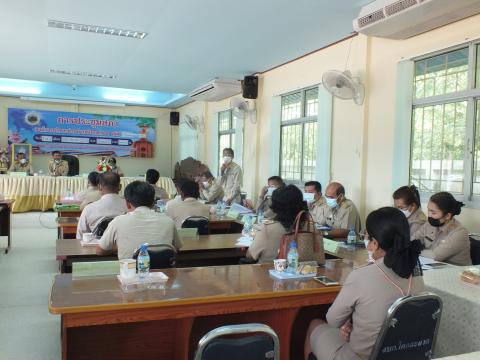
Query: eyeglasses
(365, 236)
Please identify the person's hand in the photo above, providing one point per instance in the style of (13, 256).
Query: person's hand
(248, 204)
(345, 330)
(263, 192)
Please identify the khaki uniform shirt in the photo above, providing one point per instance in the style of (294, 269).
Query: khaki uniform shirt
(344, 216)
(231, 182)
(142, 225)
(449, 243)
(178, 211)
(416, 221)
(108, 205)
(315, 209)
(267, 242)
(160, 193)
(18, 167)
(365, 298)
(88, 196)
(60, 169)
(213, 193)
(118, 170)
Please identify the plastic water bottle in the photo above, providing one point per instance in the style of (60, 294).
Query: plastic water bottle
(292, 258)
(352, 237)
(247, 226)
(143, 262)
(40, 172)
(218, 209)
(260, 216)
(160, 206)
(69, 194)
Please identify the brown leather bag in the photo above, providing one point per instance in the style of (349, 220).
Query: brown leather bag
(309, 242)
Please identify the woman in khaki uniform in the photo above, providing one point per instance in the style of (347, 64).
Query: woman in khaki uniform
(407, 200)
(444, 238)
(357, 314)
(287, 202)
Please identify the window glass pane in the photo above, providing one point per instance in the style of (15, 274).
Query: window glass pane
(291, 152)
(311, 102)
(292, 106)
(309, 151)
(477, 72)
(476, 159)
(438, 146)
(224, 122)
(441, 74)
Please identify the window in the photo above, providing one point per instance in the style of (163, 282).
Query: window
(226, 132)
(445, 142)
(299, 112)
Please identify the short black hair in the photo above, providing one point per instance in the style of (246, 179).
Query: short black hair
(189, 188)
(447, 203)
(93, 178)
(54, 152)
(140, 193)
(230, 150)
(287, 202)
(318, 186)
(152, 176)
(277, 179)
(109, 180)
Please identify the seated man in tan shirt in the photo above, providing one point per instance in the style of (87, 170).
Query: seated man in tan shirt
(140, 225)
(178, 211)
(57, 166)
(92, 193)
(152, 176)
(210, 190)
(315, 188)
(338, 212)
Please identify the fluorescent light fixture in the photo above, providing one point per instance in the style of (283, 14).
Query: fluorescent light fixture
(97, 29)
(83, 73)
(20, 90)
(68, 101)
(127, 98)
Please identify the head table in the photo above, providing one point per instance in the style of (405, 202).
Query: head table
(41, 192)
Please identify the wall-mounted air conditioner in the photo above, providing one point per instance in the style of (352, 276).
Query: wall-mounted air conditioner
(401, 19)
(217, 89)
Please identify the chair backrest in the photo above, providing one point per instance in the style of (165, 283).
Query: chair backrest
(161, 256)
(73, 164)
(200, 222)
(102, 226)
(410, 329)
(475, 251)
(260, 343)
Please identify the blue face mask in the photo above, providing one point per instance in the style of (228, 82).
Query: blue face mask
(308, 197)
(331, 202)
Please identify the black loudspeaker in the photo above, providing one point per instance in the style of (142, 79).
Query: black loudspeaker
(174, 118)
(250, 87)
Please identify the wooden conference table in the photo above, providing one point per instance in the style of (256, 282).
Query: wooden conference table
(5, 221)
(204, 250)
(100, 321)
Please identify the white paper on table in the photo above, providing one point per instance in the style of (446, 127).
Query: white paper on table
(242, 210)
(244, 241)
(425, 261)
(89, 243)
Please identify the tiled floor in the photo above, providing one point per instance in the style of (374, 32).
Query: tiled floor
(27, 330)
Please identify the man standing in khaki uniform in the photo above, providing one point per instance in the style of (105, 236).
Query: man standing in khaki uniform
(57, 166)
(231, 177)
(338, 212)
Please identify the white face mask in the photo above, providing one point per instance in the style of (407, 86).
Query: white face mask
(57, 161)
(23, 161)
(309, 197)
(370, 253)
(227, 159)
(270, 190)
(407, 213)
(205, 184)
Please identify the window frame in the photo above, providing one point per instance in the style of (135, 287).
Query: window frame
(303, 120)
(230, 132)
(470, 95)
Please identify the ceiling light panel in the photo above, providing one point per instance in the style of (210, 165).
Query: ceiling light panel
(83, 73)
(97, 29)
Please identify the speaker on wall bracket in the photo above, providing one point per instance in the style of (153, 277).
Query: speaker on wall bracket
(174, 118)
(250, 87)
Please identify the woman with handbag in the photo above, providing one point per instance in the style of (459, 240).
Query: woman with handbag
(287, 202)
(357, 314)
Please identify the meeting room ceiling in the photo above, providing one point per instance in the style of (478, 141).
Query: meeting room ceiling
(188, 42)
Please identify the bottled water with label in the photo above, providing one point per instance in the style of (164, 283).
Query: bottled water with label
(260, 216)
(247, 226)
(352, 237)
(160, 206)
(292, 258)
(143, 262)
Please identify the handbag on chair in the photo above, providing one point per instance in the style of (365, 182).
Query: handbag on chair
(309, 242)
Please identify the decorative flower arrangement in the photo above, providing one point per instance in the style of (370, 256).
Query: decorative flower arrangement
(103, 165)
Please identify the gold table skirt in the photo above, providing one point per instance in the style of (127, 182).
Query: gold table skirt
(40, 192)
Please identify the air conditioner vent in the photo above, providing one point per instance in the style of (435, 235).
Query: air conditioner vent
(371, 18)
(399, 6)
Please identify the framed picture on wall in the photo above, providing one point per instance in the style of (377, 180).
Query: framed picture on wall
(21, 148)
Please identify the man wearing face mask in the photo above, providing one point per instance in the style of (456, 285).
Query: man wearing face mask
(21, 164)
(444, 238)
(231, 177)
(57, 166)
(265, 197)
(315, 204)
(210, 191)
(338, 212)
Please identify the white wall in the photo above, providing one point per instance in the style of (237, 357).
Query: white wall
(166, 135)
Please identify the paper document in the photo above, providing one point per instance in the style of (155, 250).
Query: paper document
(244, 241)
(239, 209)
